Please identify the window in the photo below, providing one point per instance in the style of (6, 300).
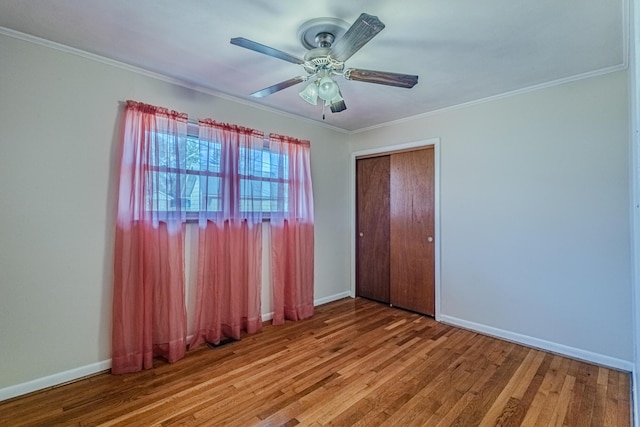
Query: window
(186, 174)
(269, 171)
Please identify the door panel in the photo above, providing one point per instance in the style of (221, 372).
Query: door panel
(372, 266)
(412, 267)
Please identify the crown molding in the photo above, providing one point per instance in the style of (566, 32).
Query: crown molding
(510, 94)
(157, 76)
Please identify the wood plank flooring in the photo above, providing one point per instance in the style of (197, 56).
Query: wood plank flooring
(356, 362)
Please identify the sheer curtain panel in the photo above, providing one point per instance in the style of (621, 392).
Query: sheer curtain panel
(230, 232)
(292, 230)
(149, 317)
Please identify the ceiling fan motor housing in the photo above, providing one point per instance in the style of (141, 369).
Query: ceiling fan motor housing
(316, 32)
(324, 39)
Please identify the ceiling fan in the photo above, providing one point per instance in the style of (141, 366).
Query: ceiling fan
(330, 44)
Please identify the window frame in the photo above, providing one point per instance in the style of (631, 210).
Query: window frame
(193, 215)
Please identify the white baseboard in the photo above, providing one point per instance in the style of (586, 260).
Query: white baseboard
(575, 353)
(53, 380)
(94, 368)
(317, 302)
(331, 298)
(268, 316)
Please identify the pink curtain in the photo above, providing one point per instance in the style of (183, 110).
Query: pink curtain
(230, 233)
(149, 317)
(292, 235)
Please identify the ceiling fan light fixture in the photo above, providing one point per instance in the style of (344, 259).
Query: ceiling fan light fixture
(310, 93)
(334, 100)
(327, 89)
(336, 104)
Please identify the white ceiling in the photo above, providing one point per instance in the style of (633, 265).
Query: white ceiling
(463, 51)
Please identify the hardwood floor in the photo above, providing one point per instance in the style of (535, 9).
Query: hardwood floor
(355, 362)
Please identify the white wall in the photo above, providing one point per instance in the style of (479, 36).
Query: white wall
(535, 236)
(59, 120)
(634, 131)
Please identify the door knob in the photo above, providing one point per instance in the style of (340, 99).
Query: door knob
(430, 239)
(361, 234)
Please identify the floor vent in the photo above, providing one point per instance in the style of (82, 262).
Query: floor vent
(223, 341)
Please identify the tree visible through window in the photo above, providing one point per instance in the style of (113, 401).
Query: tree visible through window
(177, 174)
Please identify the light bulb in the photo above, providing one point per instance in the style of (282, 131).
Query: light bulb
(310, 94)
(327, 89)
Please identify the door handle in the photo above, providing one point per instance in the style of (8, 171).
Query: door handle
(430, 239)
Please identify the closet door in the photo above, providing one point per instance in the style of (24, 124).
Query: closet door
(372, 193)
(412, 225)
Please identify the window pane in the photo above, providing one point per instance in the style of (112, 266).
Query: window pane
(206, 156)
(193, 153)
(250, 162)
(167, 151)
(191, 194)
(164, 189)
(270, 202)
(250, 195)
(210, 188)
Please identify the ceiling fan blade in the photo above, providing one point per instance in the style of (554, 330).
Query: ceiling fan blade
(381, 77)
(255, 46)
(359, 34)
(279, 86)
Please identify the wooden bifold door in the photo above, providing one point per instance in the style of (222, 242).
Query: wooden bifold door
(395, 229)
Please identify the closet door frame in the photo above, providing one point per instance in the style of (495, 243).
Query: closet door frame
(389, 149)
